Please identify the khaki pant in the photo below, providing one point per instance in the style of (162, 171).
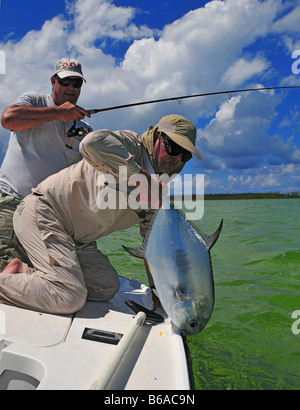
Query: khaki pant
(64, 273)
(10, 246)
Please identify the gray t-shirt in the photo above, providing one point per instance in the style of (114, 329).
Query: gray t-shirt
(38, 152)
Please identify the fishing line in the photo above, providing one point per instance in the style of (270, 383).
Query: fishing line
(96, 110)
(73, 131)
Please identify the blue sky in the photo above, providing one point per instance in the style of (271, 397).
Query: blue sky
(133, 50)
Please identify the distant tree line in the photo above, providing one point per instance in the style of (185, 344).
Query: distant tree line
(248, 195)
(251, 195)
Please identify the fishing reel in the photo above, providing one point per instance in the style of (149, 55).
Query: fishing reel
(77, 132)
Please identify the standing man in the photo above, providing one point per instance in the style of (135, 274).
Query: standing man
(38, 145)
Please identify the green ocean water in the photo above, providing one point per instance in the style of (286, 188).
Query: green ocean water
(248, 342)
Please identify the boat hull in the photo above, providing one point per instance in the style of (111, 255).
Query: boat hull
(49, 352)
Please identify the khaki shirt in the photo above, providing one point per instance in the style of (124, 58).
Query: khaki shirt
(79, 196)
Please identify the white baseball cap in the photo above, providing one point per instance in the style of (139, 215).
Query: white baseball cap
(68, 67)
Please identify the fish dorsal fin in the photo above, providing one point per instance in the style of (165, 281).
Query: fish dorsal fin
(209, 240)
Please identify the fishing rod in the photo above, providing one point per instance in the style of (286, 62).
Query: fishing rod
(73, 131)
(95, 111)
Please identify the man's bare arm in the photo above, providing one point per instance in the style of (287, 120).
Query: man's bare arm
(20, 118)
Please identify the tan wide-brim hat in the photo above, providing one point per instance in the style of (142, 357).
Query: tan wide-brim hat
(181, 131)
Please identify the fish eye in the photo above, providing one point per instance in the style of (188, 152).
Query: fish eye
(193, 323)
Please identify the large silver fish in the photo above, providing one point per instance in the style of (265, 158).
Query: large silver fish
(178, 257)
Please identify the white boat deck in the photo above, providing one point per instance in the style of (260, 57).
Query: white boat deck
(43, 351)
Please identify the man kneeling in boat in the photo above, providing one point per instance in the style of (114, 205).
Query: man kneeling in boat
(59, 223)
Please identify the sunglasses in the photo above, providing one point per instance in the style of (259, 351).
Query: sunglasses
(65, 82)
(174, 149)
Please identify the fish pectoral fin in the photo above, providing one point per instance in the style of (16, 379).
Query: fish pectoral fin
(180, 292)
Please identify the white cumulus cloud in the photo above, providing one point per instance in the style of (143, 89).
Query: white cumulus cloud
(209, 49)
